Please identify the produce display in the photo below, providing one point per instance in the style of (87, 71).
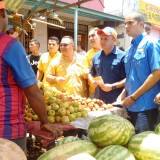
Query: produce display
(71, 148)
(67, 140)
(114, 152)
(142, 146)
(110, 129)
(110, 137)
(157, 129)
(145, 146)
(79, 156)
(64, 108)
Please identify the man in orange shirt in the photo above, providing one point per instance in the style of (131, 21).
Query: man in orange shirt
(68, 71)
(95, 44)
(46, 58)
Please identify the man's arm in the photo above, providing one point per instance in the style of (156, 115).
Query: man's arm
(54, 79)
(39, 75)
(157, 98)
(92, 83)
(109, 87)
(35, 99)
(152, 79)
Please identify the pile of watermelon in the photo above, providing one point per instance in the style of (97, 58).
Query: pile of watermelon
(110, 137)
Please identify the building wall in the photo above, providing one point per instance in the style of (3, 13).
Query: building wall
(94, 4)
(122, 39)
(40, 33)
(155, 34)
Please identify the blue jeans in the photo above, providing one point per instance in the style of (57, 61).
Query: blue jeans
(21, 142)
(144, 121)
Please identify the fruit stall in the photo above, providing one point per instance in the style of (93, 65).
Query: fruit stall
(72, 114)
(110, 136)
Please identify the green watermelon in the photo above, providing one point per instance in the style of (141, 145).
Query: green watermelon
(145, 146)
(157, 129)
(71, 148)
(79, 156)
(114, 152)
(67, 140)
(110, 129)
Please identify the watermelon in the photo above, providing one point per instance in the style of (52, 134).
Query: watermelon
(70, 148)
(109, 130)
(10, 151)
(145, 146)
(114, 152)
(157, 129)
(67, 140)
(80, 156)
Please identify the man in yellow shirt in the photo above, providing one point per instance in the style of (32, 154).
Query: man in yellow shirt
(46, 58)
(68, 71)
(95, 44)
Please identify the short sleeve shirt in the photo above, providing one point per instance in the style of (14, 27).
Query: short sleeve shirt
(72, 72)
(44, 62)
(142, 58)
(111, 68)
(15, 74)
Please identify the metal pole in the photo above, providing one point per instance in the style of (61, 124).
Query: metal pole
(75, 28)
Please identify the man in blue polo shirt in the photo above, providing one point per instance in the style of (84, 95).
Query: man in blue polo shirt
(108, 64)
(142, 66)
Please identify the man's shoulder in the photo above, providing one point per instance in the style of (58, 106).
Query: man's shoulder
(45, 54)
(119, 52)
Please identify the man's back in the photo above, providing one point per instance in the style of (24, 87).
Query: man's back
(12, 100)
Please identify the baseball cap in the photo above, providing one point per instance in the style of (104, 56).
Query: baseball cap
(108, 31)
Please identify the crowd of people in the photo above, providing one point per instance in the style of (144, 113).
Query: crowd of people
(106, 72)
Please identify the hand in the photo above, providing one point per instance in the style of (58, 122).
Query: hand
(127, 101)
(106, 87)
(59, 79)
(157, 99)
(122, 96)
(55, 131)
(93, 83)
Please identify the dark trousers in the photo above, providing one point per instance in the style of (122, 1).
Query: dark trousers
(144, 121)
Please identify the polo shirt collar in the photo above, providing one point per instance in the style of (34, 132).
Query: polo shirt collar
(112, 52)
(137, 40)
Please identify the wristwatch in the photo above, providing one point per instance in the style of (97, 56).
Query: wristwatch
(113, 87)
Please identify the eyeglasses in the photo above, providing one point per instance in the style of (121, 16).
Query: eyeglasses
(64, 44)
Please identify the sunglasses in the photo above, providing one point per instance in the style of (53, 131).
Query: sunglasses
(64, 44)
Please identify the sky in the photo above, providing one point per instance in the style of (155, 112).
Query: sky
(111, 8)
(154, 2)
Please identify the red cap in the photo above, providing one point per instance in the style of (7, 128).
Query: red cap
(108, 31)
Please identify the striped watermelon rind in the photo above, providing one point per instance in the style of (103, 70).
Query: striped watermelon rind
(157, 129)
(67, 140)
(114, 152)
(145, 146)
(71, 148)
(109, 130)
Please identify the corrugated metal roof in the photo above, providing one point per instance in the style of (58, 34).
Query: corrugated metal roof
(14, 5)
